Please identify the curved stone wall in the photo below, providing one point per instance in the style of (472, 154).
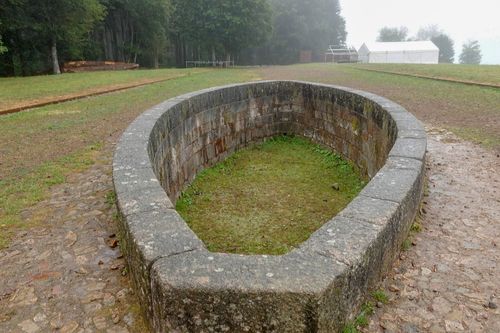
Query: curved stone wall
(315, 288)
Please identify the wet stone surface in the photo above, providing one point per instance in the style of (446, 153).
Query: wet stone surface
(52, 278)
(449, 281)
(69, 275)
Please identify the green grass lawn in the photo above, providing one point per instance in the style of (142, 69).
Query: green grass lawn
(269, 198)
(41, 147)
(25, 89)
(482, 74)
(47, 133)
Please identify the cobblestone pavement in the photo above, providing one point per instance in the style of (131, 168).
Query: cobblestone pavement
(449, 281)
(69, 276)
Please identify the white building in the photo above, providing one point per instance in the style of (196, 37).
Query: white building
(399, 53)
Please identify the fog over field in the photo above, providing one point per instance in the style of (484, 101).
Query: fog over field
(462, 20)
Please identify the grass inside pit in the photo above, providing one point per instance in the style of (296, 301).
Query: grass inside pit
(268, 198)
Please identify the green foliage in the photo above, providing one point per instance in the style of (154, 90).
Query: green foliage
(441, 40)
(471, 53)
(3, 49)
(428, 32)
(184, 202)
(406, 244)
(350, 328)
(416, 227)
(111, 198)
(394, 34)
(155, 32)
(65, 20)
(367, 309)
(31, 27)
(446, 48)
(361, 320)
(220, 28)
(134, 31)
(380, 296)
(240, 23)
(301, 26)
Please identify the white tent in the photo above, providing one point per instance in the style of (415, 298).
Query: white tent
(399, 53)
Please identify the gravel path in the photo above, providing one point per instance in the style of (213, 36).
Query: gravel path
(69, 274)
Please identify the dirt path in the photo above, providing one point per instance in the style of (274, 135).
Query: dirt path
(67, 276)
(450, 280)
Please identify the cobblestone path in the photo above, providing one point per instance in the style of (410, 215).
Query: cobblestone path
(69, 275)
(449, 281)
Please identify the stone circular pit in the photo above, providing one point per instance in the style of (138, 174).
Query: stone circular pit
(317, 287)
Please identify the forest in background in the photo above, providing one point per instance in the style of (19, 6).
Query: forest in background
(37, 36)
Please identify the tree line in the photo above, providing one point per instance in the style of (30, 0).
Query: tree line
(471, 50)
(36, 36)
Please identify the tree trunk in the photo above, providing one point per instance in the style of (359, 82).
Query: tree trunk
(109, 53)
(179, 61)
(156, 59)
(184, 53)
(55, 59)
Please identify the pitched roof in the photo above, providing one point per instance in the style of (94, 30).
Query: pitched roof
(401, 46)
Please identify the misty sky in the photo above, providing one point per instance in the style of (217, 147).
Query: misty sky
(462, 20)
